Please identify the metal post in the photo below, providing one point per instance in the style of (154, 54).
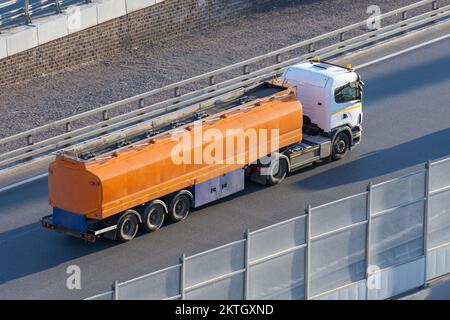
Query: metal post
(308, 251)
(278, 58)
(68, 126)
(105, 115)
(177, 92)
(26, 10)
(141, 105)
(311, 47)
(247, 264)
(341, 38)
(246, 70)
(404, 15)
(425, 217)
(30, 140)
(212, 80)
(183, 276)
(115, 289)
(368, 234)
(434, 5)
(57, 7)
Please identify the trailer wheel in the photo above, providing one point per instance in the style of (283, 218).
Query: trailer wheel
(277, 171)
(153, 216)
(179, 207)
(127, 226)
(341, 145)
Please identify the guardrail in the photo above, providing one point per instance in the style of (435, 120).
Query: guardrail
(93, 123)
(376, 244)
(15, 12)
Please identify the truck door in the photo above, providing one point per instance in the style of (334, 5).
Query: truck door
(346, 105)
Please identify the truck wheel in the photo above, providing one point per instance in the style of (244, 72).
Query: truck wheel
(277, 171)
(179, 207)
(340, 146)
(153, 216)
(127, 226)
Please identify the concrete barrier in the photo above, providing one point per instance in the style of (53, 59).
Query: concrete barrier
(110, 9)
(73, 19)
(81, 17)
(51, 28)
(133, 5)
(3, 48)
(22, 38)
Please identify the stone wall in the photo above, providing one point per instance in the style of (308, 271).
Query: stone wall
(162, 20)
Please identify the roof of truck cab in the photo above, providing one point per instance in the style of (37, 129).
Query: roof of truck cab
(318, 73)
(321, 68)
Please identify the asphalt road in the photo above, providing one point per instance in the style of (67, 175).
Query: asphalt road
(406, 122)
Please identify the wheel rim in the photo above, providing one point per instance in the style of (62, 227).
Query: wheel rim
(155, 217)
(180, 208)
(279, 169)
(276, 168)
(340, 146)
(127, 228)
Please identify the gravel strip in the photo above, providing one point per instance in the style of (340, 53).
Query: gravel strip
(56, 96)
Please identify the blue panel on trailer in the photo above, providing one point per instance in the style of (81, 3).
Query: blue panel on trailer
(219, 187)
(207, 191)
(232, 182)
(69, 220)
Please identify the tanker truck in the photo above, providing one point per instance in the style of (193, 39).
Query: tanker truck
(177, 161)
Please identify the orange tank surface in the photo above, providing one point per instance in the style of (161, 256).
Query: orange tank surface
(150, 169)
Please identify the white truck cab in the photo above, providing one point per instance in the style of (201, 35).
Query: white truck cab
(330, 94)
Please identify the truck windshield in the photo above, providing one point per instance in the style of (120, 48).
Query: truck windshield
(349, 92)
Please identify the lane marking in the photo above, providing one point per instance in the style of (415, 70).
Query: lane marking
(401, 52)
(18, 184)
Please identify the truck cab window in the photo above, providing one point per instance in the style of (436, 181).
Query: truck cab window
(348, 92)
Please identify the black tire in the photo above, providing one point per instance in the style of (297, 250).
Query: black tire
(179, 207)
(277, 171)
(127, 226)
(340, 147)
(153, 216)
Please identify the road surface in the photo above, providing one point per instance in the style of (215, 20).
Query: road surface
(406, 122)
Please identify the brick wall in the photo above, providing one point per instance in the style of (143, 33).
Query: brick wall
(162, 20)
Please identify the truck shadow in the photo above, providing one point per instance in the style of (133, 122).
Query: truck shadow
(31, 249)
(379, 163)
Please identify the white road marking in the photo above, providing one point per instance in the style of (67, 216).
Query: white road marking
(18, 184)
(401, 52)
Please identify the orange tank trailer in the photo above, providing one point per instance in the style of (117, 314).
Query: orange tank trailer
(132, 176)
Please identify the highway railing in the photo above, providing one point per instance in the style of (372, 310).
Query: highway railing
(16, 12)
(390, 239)
(94, 123)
